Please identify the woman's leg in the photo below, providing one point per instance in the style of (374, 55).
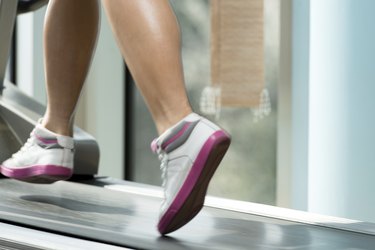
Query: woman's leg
(149, 38)
(190, 147)
(70, 32)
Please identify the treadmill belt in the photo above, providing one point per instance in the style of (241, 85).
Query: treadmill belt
(129, 220)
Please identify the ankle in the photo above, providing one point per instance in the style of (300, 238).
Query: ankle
(169, 120)
(58, 127)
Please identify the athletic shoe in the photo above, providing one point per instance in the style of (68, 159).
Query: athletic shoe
(190, 152)
(46, 157)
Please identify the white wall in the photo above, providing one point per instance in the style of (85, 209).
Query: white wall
(101, 107)
(342, 117)
(333, 103)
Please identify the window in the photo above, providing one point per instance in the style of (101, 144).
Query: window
(250, 164)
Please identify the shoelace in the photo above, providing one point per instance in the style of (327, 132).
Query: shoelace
(27, 145)
(163, 157)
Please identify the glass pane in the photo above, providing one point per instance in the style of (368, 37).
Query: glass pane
(248, 171)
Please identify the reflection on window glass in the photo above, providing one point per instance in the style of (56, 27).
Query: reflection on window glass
(248, 171)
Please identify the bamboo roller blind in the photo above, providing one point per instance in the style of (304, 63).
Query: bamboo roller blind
(237, 51)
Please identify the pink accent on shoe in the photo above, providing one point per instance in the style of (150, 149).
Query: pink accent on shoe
(37, 170)
(176, 136)
(190, 198)
(45, 140)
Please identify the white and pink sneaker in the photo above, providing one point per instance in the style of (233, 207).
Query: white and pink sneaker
(46, 157)
(190, 152)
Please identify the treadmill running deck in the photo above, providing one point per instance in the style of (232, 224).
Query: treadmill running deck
(125, 219)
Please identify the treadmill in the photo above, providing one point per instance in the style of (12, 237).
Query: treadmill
(93, 212)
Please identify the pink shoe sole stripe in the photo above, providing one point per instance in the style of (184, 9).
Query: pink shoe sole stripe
(36, 170)
(192, 178)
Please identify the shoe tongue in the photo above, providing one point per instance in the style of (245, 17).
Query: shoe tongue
(191, 117)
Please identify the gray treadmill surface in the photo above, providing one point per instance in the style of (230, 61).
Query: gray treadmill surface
(124, 219)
